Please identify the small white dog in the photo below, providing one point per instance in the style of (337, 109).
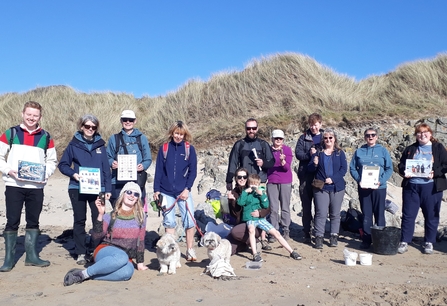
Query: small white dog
(168, 254)
(218, 248)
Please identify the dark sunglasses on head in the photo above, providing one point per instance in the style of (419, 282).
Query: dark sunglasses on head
(127, 119)
(254, 128)
(240, 177)
(326, 138)
(370, 135)
(130, 192)
(180, 124)
(88, 127)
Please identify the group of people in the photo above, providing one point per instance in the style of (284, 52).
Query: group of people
(259, 202)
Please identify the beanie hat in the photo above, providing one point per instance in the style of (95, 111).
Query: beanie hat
(131, 186)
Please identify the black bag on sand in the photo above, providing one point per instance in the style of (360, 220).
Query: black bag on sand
(353, 221)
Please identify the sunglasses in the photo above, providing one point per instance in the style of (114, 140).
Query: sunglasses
(420, 133)
(240, 177)
(278, 138)
(88, 127)
(326, 138)
(130, 192)
(370, 135)
(127, 119)
(254, 128)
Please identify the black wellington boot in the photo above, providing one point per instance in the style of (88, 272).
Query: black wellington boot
(10, 250)
(32, 259)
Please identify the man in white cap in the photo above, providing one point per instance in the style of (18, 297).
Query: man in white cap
(129, 141)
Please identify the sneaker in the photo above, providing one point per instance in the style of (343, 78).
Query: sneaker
(74, 276)
(318, 242)
(257, 257)
(265, 245)
(333, 241)
(428, 248)
(295, 255)
(403, 247)
(191, 255)
(365, 245)
(81, 260)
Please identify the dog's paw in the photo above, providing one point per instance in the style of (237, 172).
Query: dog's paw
(171, 272)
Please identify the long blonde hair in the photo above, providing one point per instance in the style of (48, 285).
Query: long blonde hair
(137, 209)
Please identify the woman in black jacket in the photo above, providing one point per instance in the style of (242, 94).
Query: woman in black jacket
(422, 187)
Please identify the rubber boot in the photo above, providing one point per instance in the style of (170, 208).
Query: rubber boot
(32, 259)
(10, 250)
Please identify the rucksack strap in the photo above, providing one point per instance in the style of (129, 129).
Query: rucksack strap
(166, 147)
(119, 141)
(13, 133)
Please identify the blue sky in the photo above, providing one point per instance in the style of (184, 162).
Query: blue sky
(154, 47)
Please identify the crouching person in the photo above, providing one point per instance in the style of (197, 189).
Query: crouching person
(120, 235)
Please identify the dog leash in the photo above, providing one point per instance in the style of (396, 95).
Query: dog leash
(189, 211)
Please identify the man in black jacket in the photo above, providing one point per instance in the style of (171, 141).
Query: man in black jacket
(252, 153)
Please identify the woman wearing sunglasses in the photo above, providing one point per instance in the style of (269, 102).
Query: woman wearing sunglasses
(120, 238)
(372, 199)
(329, 166)
(239, 237)
(86, 149)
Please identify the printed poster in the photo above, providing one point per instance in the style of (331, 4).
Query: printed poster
(418, 167)
(29, 171)
(90, 180)
(370, 177)
(127, 167)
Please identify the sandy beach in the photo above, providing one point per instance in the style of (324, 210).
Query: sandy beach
(320, 278)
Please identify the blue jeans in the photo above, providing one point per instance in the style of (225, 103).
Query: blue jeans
(111, 264)
(169, 216)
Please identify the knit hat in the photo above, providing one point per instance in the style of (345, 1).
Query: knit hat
(131, 186)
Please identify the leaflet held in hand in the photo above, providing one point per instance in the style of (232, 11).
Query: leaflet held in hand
(418, 167)
(370, 177)
(127, 167)
(90, 180)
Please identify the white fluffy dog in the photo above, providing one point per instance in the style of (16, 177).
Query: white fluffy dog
(168, 254)
(218, 248)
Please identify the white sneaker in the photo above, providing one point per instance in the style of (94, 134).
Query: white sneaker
(403, 247)
(81, 260)
(191, 255)
(428, 248)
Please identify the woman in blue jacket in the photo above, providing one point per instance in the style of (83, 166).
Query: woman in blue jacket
(329, 166)
(86, 149)
(372, 200)
(175, 172)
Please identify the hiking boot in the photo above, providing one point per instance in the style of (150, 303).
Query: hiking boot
(265, 245)
(318, 242)
(191, 255)
(333, 240)
(307, 240)
(81, 260)
(74, 276)
(272, 239)
(365, 245)
(257, 257)
(403, 247)
(428, 248)
(295, 255)
(286, 234)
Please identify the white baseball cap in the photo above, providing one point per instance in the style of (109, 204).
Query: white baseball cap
(128, 114)
(278, 134)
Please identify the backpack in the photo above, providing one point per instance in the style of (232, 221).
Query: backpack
(119, 141)
(213, 198)
(353, 221)
(166, 147)
(13, 133)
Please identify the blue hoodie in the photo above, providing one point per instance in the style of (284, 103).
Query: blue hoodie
(81, 153)
(131, 143)
(376, 155)
(175, 174)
